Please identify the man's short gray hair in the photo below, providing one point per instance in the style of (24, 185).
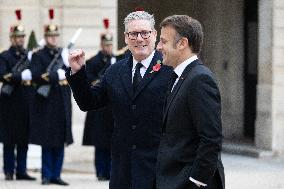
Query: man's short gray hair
(139, 15)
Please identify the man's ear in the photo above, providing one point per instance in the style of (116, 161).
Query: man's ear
(183, 43)
(155, 35)
(125, 38)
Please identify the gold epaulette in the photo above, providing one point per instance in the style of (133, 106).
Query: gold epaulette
(8, 76)
(45, 76)
(27, 83)
(95, 82)
(63, 82)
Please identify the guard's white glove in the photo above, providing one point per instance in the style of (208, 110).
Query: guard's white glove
(113, 60)
(30, 54)
(64, 55)
(26, 75)
(61, 74)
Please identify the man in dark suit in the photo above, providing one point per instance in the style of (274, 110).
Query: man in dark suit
(189, 153)
(135, 88)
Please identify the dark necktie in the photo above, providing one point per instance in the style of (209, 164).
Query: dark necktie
(137, 76)
(172, 80)
(174, 76)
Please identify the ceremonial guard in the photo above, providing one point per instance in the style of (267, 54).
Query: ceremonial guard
(14, 114)
(99, 123)
(51, 110)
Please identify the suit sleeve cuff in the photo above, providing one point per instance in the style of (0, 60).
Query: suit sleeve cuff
(198, 183)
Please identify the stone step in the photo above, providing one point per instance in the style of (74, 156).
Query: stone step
(246, 149)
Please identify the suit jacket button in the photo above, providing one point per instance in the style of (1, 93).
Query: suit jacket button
(133, 107)
(133, 147)
(133, 127)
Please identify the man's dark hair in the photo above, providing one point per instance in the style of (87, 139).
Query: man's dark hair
(187, 27)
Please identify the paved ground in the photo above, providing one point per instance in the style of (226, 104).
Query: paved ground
(77, 181)
(241, 172)
(250, 173)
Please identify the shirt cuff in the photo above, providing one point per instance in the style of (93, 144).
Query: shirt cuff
(198, 183)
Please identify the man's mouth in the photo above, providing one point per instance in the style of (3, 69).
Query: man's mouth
(140, 46)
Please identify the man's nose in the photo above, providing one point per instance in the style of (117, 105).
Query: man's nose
(159, 47)
(139, 37)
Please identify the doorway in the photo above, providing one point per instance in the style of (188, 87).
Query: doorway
(250, 67)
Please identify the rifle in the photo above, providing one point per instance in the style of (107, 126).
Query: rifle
(44, 90)
(54, 65)
(20, 66)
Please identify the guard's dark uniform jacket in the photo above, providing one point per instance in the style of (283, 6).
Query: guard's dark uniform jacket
(51, 115)
(137, 118)
(14, 114)
(98, 123)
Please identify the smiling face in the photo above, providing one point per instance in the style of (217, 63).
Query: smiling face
(140, 47)
(169, 46)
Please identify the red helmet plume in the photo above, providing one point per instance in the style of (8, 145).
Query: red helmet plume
(106, 23)
(139, 9)
(51, 14)
(18, 14)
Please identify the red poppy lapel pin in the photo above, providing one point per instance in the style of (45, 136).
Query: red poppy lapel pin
(156, 67)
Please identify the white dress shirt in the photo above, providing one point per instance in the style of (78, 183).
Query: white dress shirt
(146, 62)
(180, 68)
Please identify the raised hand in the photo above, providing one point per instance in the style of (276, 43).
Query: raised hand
(76, 59)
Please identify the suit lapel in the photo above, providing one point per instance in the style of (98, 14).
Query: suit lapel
(126, 76)
(148, 76)
(172, 95)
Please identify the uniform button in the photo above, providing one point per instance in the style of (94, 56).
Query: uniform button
(133, 107)
(133, 127)
(133, 147)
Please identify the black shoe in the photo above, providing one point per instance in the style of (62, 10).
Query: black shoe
(59, 181)
(45, 181)
(9, 176)
(102, 178)
(24, 176)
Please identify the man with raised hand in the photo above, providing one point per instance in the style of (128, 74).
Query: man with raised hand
(135, 87)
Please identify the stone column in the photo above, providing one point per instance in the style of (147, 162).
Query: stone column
(270, 101)
(278, 76)
(263, 128)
